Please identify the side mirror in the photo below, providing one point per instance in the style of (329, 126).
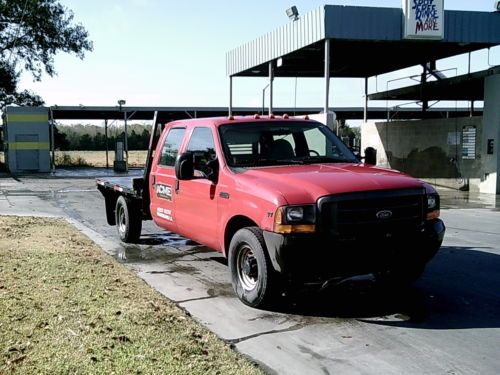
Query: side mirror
(184, 166)
(370, 156)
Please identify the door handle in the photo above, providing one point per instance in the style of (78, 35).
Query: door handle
(153, 180)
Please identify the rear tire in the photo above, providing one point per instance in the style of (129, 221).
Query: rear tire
(128, 220)
(254, 279)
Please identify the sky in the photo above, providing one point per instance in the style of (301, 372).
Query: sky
(172, 53)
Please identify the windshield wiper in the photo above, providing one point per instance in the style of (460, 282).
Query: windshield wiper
(267, 162)
(289, 161)
(322, 159)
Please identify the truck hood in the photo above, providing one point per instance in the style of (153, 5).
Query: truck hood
(306, 183)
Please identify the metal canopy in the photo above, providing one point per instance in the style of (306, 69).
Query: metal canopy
(166, 114)
(375, 34)
(468, 87)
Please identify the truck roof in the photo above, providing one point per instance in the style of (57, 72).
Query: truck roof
(217, 121)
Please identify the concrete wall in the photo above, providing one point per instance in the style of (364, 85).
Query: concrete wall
(490, 179)
(427, 149)
(27, 139)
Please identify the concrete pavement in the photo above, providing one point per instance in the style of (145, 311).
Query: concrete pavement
(448, 323)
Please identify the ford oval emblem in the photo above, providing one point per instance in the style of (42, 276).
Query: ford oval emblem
(385, 214)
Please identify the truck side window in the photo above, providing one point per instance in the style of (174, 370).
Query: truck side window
(171, 146)
(202, 146)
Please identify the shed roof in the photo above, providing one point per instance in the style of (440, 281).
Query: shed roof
(375, 32)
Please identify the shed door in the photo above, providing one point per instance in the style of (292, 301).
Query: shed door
(27, 151)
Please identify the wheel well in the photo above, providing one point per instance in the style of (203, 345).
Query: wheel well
(234, 225)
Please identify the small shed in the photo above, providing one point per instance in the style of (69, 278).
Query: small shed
(27, 139)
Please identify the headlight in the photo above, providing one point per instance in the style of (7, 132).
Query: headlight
(294, 214)
(295, 219)
(432, 207)
(431, 202)
(300, 214)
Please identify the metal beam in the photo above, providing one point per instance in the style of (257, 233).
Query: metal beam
(52, 141)
(126, 141)
(327, 75)
(365, 109)
(271, 78)
(230, 96)
(106, 138)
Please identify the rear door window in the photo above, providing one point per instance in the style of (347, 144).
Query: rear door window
(170, 147)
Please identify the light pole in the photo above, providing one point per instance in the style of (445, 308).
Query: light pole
(125, 144)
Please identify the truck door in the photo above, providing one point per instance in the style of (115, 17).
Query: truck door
(162, 180)
(196, 200)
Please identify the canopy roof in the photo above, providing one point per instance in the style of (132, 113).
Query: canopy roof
(376, 33)
(468, 87)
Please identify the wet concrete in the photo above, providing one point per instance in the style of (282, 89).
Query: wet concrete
(77, 172)
(449, 322)
(464, 199)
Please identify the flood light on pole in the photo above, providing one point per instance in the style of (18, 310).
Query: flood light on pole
(293, 13)
(121, 102)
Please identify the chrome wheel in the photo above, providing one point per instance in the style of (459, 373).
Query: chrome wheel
(247, 268)
(122, 219)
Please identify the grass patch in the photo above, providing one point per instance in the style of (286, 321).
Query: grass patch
(68, 308)
(64, 159)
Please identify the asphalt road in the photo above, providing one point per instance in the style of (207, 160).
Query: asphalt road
(448, 323)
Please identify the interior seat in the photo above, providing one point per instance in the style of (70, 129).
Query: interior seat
(281, 149)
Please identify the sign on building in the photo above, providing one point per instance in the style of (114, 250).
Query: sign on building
(469, 142)
(423, 19)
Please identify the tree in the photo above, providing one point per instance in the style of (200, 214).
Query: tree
(32, 32)
(60, 141)
(86, 143)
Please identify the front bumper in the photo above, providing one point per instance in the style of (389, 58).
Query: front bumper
(313, 257)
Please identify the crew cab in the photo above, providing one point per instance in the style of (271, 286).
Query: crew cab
(284, 200)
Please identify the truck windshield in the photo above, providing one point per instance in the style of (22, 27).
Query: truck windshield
(257, 144)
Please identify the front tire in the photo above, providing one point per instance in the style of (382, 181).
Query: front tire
(254, 280)
(128, 220)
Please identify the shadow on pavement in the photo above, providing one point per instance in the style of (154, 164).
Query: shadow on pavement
(460, 289)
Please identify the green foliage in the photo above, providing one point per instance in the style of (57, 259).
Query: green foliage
(31, 33)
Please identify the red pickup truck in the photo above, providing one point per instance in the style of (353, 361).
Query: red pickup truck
(283, 199)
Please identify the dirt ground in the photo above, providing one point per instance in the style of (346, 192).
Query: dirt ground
(66, 307)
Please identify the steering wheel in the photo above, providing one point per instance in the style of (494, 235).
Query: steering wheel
(314, 152)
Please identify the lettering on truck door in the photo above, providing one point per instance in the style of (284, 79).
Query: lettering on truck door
(162, 180)
(196, 204)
